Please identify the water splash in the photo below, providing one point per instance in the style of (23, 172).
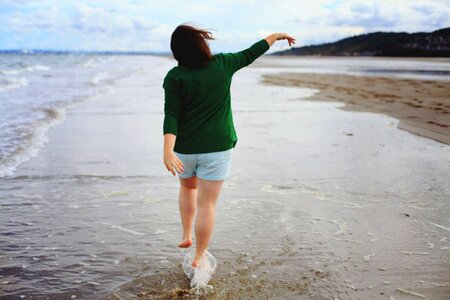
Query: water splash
(201, 275)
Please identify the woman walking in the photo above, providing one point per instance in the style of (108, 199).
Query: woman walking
(199, 134)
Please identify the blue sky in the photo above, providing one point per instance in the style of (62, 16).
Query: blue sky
(146, 25)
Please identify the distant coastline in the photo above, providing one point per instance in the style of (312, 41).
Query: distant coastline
(388, 44)
(81, 52)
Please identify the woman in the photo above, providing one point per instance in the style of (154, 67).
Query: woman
(199, 133)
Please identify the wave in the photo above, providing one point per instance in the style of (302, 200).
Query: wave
(97, 61)
(25, 68)
(33, 135)
(99, 77)
(33, 138)
(90, 63)
(12, 83)
(37, 68)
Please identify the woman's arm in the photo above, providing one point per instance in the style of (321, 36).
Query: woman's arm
(235, 61)
(279, 36)
(169, 142)
(170, 126)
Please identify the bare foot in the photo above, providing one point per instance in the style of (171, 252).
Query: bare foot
(196, 260)
(186, 243)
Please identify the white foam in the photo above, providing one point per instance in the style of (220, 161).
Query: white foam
(367, 257)
(9, 72)
(201, 275)
(410, 293)
(99, 77)
(122, 228)
(440, 226)
(12, 83)
(32, 68)
(34, 143)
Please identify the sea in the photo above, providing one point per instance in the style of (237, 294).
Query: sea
(36, 90)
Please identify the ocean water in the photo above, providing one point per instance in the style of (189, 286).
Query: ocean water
(321, 203)
(36, 90)
(412, 68)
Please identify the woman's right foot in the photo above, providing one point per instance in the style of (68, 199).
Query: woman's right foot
(196, 260)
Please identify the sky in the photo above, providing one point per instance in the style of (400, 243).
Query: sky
(146, 25)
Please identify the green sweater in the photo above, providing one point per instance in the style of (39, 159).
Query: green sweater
(197, 105)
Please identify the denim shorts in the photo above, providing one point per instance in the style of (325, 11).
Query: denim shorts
(209, 166)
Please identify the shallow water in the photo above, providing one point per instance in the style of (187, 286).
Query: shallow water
(408, 67)
(35, 92)
(321, 203)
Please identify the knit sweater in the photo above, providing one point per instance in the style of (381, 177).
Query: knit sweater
(197, 104)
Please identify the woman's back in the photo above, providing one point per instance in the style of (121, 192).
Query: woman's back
(198, 103)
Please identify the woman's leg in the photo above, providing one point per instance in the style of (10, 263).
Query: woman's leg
(208, 192)
(188, 204)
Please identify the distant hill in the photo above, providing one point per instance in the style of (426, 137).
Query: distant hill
(401, 44)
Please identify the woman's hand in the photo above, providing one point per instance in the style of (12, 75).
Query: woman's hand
(279, 36)
(173, 163)
(285, 36)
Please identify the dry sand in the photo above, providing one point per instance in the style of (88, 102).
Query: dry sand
(422, 106)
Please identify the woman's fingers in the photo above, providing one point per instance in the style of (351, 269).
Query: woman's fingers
(176, 166)
(179, 169)
(170, 169)
(179, 160)
(291, 40)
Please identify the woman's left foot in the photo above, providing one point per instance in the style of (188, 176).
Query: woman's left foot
(185, 243)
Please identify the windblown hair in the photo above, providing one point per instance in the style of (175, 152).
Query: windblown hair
(189, 46)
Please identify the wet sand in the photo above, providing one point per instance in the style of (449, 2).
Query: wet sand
(321, 203)
(422, 106)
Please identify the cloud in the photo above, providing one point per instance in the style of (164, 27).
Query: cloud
(400, 15)
(47, 19)
(365, 14)
(94, 19)
(148, 24)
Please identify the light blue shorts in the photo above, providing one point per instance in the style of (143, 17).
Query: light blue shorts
(209, 166)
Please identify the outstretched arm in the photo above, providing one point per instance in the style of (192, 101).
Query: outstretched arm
(237, 60)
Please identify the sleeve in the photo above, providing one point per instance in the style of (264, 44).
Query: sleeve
(172, 105)
(238, 60)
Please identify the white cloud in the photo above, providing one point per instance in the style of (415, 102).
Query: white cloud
(148, 24)
(49, 18)
(92, 19)
(400, 15)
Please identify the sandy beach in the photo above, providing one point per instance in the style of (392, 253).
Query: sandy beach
(321, 203)
(422, 106)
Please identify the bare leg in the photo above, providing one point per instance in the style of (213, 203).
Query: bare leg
(208, 192)
(187, 203)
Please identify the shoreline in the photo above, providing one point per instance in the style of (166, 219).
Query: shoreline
(421, 106)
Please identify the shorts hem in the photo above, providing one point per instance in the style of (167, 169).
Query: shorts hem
(186, 177)
(213, 179)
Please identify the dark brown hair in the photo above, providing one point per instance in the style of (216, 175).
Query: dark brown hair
(189, 46)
